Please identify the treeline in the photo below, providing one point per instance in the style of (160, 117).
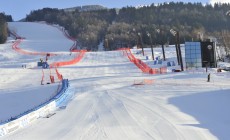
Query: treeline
(89, 27)
(130, 26)
(3, 27)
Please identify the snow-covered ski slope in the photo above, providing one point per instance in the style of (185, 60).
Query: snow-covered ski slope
(20, 88)
(111, 102)
(41, 37)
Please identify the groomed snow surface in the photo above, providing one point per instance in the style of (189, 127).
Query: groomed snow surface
(109, 104)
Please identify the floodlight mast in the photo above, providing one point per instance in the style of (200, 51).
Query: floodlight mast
(142, 47)
(149, 35)
(178, 49)
(162, 44)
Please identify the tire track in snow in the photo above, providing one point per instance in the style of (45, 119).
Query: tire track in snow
(110, 113)
(175, 133)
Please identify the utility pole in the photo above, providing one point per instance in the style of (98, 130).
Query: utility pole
(159, 31)
(142, 47)
(179, 51)
(149, 35)
(173, 32)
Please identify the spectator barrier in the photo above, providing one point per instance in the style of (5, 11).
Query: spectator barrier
(33, 114)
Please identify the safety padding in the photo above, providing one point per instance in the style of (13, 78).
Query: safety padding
(33, 114)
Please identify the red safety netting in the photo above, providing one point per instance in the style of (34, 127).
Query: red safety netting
(58, 74)
(55, 64)
(19, 50)
(64, 63)
(51, 77)
(71, 62)
(141, 65)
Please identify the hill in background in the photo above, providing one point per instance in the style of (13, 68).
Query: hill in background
(91, 25)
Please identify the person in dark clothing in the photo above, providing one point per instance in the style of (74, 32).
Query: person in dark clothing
(208, 78)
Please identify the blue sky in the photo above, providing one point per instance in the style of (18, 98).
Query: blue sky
(20, 8)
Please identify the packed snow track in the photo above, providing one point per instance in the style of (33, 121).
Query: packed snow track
(108, 105)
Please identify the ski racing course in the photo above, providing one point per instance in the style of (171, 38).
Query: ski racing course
(113, 99)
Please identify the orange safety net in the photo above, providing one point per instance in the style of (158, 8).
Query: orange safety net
(141, 65)
(52, 79)
(64, 63)
(56, 64)
(143, 82)
(19, 50)
(71, 62)
(58, 74)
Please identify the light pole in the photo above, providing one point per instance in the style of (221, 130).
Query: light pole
(111, 42)
(173, 32)
(149, 35)
(139, 34)
(136, 40)
(87, 44)
(225, 33)
(162, 44)
(228, 13)
(176, 34)
(106, 44)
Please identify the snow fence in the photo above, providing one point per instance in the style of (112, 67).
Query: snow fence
(19, 39)
(19, 50)
(71, 62)
(141, 65)
(33, 114)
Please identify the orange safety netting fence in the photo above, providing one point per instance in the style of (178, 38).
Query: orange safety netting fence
(65, 63)
(141, 65)
(14, 46)
(19, 50)
(71, 62)
(143, 82)
(51, 77)
(58, 74)
(53, 65)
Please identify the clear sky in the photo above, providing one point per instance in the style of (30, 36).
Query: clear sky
(20, 8)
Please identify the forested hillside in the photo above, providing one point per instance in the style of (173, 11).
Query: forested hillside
(129, 25)
(3, 27)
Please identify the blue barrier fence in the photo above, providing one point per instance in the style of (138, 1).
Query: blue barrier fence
(58, 98)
